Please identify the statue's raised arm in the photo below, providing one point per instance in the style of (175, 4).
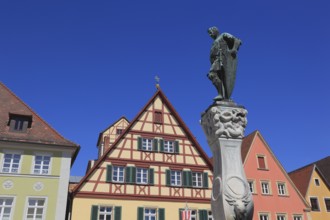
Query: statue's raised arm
(223, 57)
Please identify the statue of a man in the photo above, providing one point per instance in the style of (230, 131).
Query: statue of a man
(223, 59)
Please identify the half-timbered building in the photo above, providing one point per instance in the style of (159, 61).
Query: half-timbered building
(150, 168)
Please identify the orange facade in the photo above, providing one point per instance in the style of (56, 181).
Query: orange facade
(274, 194)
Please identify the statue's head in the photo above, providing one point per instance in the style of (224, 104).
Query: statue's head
(213, 32)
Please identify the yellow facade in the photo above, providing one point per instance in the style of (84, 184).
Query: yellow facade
(319, 190)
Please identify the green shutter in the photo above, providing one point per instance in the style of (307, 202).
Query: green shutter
(151, 176)
(140, 213)
(109, 174)
(118, 213)
(205, 180)
(202, 214)
(139, 143)
(130, 174)
(168, 177)
(155, 145)
(176, 147)
(187, 178)
(94, 210)
(161, 145)
(161, 213)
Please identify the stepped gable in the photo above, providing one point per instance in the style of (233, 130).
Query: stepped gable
(113, 147)
(38, 132)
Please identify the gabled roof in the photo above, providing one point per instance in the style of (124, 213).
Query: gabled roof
(101, 133)
(40, 132)
(175, 114)
(302, 176)
(246, 147)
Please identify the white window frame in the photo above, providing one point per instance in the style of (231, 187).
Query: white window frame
(3, 206)
(281, 216)
(27, 206)
(42, 154)
(142, 175)
(147, 144)
(282, 191)
(118, 172)
(209, 215)
(252, 186)
(148, 215)
(197, 179)
(105, 213)
(176, 178)
(193, 215)
(264, 216)
(265, 190)
(11, 161)
(297, 217)
(169, 146)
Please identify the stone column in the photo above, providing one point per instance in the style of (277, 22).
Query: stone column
(224, 123)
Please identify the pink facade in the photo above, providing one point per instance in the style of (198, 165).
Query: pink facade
(275, 196)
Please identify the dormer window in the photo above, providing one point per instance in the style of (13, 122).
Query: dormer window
(19, 123)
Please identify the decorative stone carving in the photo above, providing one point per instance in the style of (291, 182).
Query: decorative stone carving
(38, 186)
(224, 124)
(8, 184)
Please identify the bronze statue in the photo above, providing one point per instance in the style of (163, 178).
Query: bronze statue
(223, 59)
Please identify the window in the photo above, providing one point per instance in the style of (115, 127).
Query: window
(262, 162)
(281, 189)
(118, 174)
(193, 215)
(119, 131)
(263, 217)
(317, 182)
(105, 212)
(197, 179)
(280, 217)
(327, 204)
(209, 215)
(41, 164)
(19, 123)
(146, 144)
(176, 178)
(142, 175)
(158, 117)
(11, 162)
(169, 146)
(265, 188)
(35, 209)
(6, 205)
(315, 204)
(251, 186)
(149, 214)
(297, 217)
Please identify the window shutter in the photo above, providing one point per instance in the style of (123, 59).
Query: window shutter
(109, 174)
(202, 214)
(261, 162)
(151, 176)
(94, 212)
(133, 175)
(118, 213)
(140, 213)
(130, 174)
(180, 214)
(187, 178)
(205, 180)
(139, 143)
(168, 177)
(161, 145)
(155, 145)
(127, 174)
(161, 213)
(176, 147)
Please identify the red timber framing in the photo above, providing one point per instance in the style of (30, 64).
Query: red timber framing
(157, 120)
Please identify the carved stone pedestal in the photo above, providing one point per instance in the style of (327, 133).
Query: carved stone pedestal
(224, 124)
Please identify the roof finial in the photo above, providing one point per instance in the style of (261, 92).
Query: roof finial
(157, 81)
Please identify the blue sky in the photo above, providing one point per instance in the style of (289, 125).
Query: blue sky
(82, 64)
